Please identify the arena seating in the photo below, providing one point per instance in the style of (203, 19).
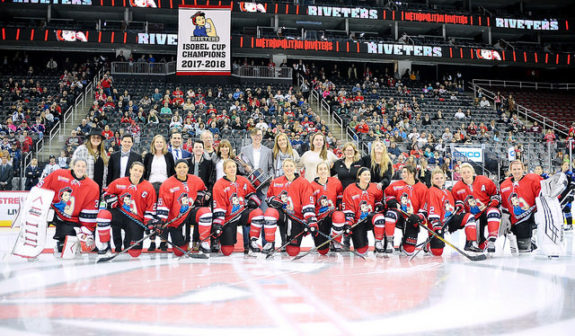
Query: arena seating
(558, 106)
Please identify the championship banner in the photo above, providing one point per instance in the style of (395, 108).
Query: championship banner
(204, 46)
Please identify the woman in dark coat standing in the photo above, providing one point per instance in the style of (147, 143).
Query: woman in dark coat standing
(346, 168)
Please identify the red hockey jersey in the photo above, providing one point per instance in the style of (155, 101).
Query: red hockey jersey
(74, 200)
(230, 198)
(481, 191)
(358, 203)
(411, 198)
(518, 197)
(177, 198)
(137, 201)
(326, 197)
(440, 204)
(296, 196)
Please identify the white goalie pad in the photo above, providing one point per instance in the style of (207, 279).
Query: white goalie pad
(554, 186)
(71, 248)
(33, 225)
(549, 219)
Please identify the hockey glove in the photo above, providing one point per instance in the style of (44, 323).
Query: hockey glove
(111, 201)
(275, 203)
(437, 227)
(217, 230)
(459, 208)
(415, 220)
(313, 228)
(156, 225)
(379, 207)
(392, 204)
(347, 230)
(252, 204)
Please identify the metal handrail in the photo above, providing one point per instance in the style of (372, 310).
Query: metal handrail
(525, 85)
(526, 113)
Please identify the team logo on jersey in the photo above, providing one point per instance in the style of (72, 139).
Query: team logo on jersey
(144, 194)
(287, 202)
(405, 204)
(128, 204)
(474, 204)
(448, 208)
(66, 202)
(236, 203)
(518, 203)
(324, 204)
(185, 202)
(365, 209)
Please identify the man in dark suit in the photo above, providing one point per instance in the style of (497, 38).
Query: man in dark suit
(176, 149)
(6, 173)
(121, 160)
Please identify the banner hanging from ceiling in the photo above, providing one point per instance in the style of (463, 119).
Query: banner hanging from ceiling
(204, 43)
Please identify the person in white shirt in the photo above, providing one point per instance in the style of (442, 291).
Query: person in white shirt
(459, 114)
(52, 166)
(318, 153)
(484, 103)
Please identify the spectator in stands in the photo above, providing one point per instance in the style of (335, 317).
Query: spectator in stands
(26, 142)
(106, 84)
(50, 167)
(6, 172)
(536, 128)
(94, 153)
(439, 115)
(107, 133)
(32, 174)
(484, 103)
(83, 129)
(423, 173)
(166, 110)
(459, 115)
(207, 137)
(550, 136)
(157, 96)
(282, 150)
(153, 118)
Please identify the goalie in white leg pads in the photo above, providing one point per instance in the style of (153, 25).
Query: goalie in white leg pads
(549, 216)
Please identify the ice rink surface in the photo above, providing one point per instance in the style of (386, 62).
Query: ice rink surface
(338, 294)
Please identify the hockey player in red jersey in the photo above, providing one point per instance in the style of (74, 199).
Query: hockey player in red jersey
(291, 194)
(361, 204)
(479, 196)
(75, 203)
(518, 193)
(236, 203)
(442, 211)
(176, 207)
(327, 194)
(131, 201)
(405, 202)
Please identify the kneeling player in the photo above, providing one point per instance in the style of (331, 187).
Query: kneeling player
(442, 214)
(75, 204)
(361, 203)
(291, 194)
(479, 196)
(131, 201)
(327, 195)
(235, 202)
(176, 206)
(518, 193)
(405, 201)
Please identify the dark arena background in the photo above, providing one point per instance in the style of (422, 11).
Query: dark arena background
(417, 95)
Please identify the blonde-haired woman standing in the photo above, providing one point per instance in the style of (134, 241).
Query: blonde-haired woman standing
(283, 150)
(318, 153)
(159, 166)
(379, 164)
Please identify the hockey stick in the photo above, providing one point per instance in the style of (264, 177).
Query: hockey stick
(470, 257)
(323, 234)
(195, 255)
(328, 241)
(106, 259)
(296, 237)
(443, 226)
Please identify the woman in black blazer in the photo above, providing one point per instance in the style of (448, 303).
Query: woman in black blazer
(346, 168)
(159, 164)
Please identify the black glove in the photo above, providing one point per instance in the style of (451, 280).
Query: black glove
(156, 225)
(312, 227)
(252, 204)
(392, 204)
(275, 203)
(347, 230)
(379, 207)
(415, 220)
(217, 230)
(437, 227)
(111, 201)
